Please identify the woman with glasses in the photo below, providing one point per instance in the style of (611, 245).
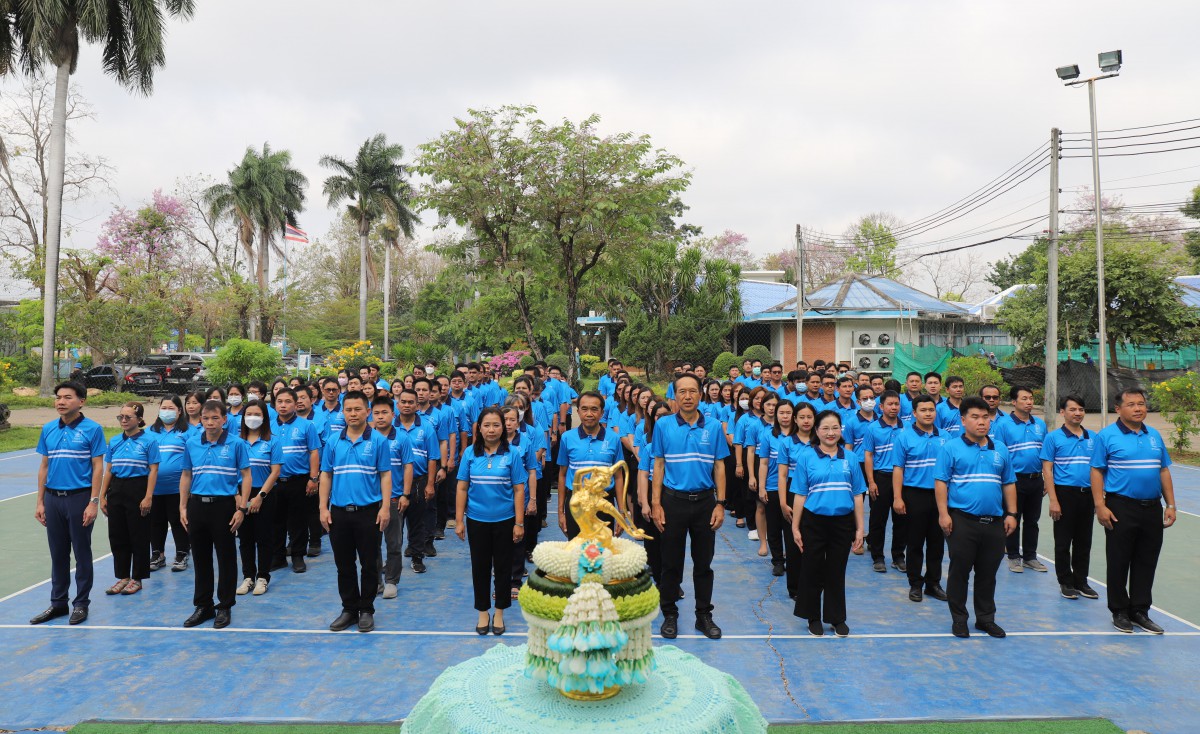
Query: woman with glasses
(130, 469)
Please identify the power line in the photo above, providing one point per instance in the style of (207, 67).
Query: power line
(1141, 127)
(1134, 145)
(1141, 152)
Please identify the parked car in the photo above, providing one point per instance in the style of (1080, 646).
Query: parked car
(142, 381)
(174, 370)
(137, 380)
(103, 377)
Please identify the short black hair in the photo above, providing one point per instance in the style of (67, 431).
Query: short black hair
(891, 385)
(688, 376)
(1016, 390)
(938, 375)
(74, 386)
(382, 400)
(1130, 391)
(591, 394)
(973, 403)
(922, 399)
(914, 372)
(985, 387)
(356, 395)
(845, 378)
(954, 380)
(858, 391)
(286, 391)
(887, 395)
(1072, 398)
(214, 405)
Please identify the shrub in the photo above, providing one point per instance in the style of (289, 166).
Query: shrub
(976, 372)
(560, 360)
(242, 360)
(1179, 401)
(587, 360)
(598, 369)
(507, 362)
(526, 361)
(721, 365)
(759, 352)
(355, 355)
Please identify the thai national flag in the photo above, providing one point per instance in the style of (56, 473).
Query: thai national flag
(295, 234)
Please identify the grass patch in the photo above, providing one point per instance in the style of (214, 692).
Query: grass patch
(21, 438)
(104, 398)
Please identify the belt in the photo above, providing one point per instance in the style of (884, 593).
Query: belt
(689, 496)
(67, 492)
(1060, 487)
(209, 499)
(1029, 474)
(357, 508)
(1156, 502)
(984, 519)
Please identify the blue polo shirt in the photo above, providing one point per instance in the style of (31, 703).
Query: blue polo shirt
(491, 481)
(748, 381)
(645, 458)
(994, 428)
(131, 456)
(297, 438)
(949, 419)
(842, 410)
(975, 475)
(1071, 456)
(524, 444)
(264, 453)
(774, 450)
(356, 466)
(171, 446)
(829, 484)
(906, 408)
(441, 428)
(423, 440)
(880, 440)
(854, 433)
(1131, 461)
(688, 452)
(216, 466)
(797, 450)
(605, 385)
(400, 454)
(917, 452)
(577, 450)
(332, 421)
(70, 448)
(1024, 442)
(746, 430)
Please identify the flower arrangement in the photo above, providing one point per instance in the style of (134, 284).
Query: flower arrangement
(560, 560)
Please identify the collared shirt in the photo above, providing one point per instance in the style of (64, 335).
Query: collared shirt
(688, 452)
(1131, 461)
(264, 453)
(423, 440)
(525, 443)
(297, 439)
(748, 381)
(797, 450)
(829, 484)
(332, 421)
(949, 419)
(917, 452)
(906, 408)
(131, 456)
(171, 446)
(774, 450)
(844, 411)
(491, 483)
(879, 441)
(818, 403)
(1024, 442)
(356, 466)
(997, 421)
(605, 385)
(70, 448)
(216, 466)
(441, 428)
(400, 454)
(1071, 456)
(578, 450)
(975, 475)
(854, 433)
(746, 430)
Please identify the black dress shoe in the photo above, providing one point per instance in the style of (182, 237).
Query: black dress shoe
(298, 564)
(669, 628)
(418, 565)
(936, 592)
(1141, 619)
(1067, 592)
(914, 593)
(366, 621)
(705, 623)
(49, 614)
(223, 619)
(275, 565)
(959, 629)
(200, 616)
(879, 566)
(314, 551)
(993, 629)
(343, 621)
(900, 566)
(815, 628)
(430, 551)
(498, 630)
(79, 616)
(485, 629)
(1087, 592)
(778, 569)
(1122, 623)
(841, 630)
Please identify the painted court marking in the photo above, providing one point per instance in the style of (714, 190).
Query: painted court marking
(19, 496)
(19, 456)
(31, 587)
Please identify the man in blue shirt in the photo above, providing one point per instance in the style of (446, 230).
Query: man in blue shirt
(977, 506)
(1131, 477)
(608, 381)
(1066, 469)
(422, 513)
(68, 494)
(330, 409)
(356, 479)
(949, 420)
(915, 451)
(589, 446)
(991, 396)
(688, 502)
(296, 488)
(878, 459)
(844, 402)
(1023, 433)
(382, 417)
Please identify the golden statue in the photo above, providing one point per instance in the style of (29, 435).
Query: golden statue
(589, 497)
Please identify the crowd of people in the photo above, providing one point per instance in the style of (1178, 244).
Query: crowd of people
(815, 465)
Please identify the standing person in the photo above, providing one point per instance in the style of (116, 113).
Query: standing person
(330, 409)
(877, 447)
(949, 419)
(192, 406)
(423, 441)
(1023, 434)
(491, 497)
(356, 478)
(688, 503)
(991, 396)
(126, 497)
(590, 445)
(68, 495)
(301, 447)
(747, 427)
(645, 477)
(1066, 458)
(913, 382)
(257, 534)
(827, 521)
(916, 449)
(524, 443)
(171, 431)
(1131, 477)
(775, 451)
(382, 420)
(212, 508)
(975, 487)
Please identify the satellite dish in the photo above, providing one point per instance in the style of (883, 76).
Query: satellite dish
(864, 363)
(885, 339)
(884, 363)
(864, 339)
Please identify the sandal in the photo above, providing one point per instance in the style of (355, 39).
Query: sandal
(118, 587)
(133, 587)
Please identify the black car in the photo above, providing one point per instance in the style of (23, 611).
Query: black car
(103, 377)
(137, 380)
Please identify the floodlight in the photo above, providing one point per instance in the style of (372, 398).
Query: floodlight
(1110, 61)
(1067, 73)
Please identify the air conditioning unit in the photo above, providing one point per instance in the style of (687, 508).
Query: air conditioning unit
(988, 312)
(872, 339)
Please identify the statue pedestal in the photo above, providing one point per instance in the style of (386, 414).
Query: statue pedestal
(490, 694)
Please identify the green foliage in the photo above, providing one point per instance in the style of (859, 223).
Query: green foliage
(587, 360)
(559, 360)
(597, 370)
(721, 365)
(1178, 399)
(241, 360)
(1020, 268)
(874, 246)
(758, 352)
(976, 372)
(526, 361)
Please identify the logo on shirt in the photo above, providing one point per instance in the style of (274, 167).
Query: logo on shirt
(705, 436)
(368, 449)
(224, 452)
(996, 460)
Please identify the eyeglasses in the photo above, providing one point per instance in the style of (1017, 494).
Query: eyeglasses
(991, 397)
(126, 417)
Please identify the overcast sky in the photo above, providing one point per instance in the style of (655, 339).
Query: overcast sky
(786, 112)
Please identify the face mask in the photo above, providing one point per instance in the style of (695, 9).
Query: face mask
(429, 369)
(343, 380)
(520, 415)
(868, 404)
(168, 417)
(744, 404)
(234, 400)
(757, 371)
(799, 384)
(253, 421)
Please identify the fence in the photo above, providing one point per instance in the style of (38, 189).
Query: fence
(912, 358)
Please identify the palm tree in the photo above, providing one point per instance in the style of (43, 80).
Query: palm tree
(375, 184)
(390, 232)
(33, 33)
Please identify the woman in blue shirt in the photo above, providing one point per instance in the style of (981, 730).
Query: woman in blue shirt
(131, 466)
(172, 431)
(491, 496)
(775, 450)
(523, 437)
(747, 426)
(655, 411)
(827, 521)
(192, 405)
(257, 535)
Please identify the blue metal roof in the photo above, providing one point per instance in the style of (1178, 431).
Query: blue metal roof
(1190, 285)
(759, 296)
(873, 296)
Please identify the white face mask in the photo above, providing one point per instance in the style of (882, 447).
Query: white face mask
(168, 417)
(343, 381)
(429, 370)
(757, 371)
(520, 414)
(744, 404)
(868, 404)
(800, 385)
(234, 400)
(253, 422)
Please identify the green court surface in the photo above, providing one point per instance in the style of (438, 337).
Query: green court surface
(24, 550)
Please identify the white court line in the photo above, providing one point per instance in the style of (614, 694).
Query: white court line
(43, 583)
(19, 496)
(1098, 582)
(19, 456)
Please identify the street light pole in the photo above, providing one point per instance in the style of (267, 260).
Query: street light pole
(1101, 301)
(799, 293)
(1050, 405)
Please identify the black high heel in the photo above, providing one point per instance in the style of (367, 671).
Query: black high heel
(497, 631)
(486, 628)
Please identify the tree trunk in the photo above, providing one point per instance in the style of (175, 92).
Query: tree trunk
(1112, 353)
(387, 297)
(362, 280)
(58, 160)
(526, 317)
(572, 328)
(264, 273)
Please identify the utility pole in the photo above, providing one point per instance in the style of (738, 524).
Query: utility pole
(1101, 300)
(1050, 406)
(387, 297)
(799, 294)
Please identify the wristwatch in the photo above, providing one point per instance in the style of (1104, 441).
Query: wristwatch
(241, 510)
(1010, 514)
(722, 502)
(95, 500)
(520, 524)
(315, 479)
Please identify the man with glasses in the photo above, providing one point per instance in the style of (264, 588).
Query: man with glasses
(991, 396)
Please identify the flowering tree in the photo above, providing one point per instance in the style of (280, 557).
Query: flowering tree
(729, 245)
(507, 362)
(151, 236)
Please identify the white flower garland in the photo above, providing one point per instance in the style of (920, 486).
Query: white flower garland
(561, 560)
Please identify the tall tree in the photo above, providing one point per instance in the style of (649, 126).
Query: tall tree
(874, 243)
(374, 184)
(131, 33)
(1191, 210)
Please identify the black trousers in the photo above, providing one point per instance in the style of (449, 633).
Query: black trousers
(533, 526)
(881, 507)
(355, 540)
(782, 543)
(979, 547)
(518, 554)
(128, 528)
(291, 517)
(208, 525)
(68, 535)
(447, 491)
(491, 546)
(419, 518)
(1073, 535)
(393, 541)
(164, 512)
(256, 538)
(1024, 540)
(312, 511)
(1131, 550)
(827, 541)
(926, 542)
(750, 502)
(687, 519)
(735, 490)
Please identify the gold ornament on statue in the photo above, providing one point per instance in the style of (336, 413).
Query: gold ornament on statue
(589, 498)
